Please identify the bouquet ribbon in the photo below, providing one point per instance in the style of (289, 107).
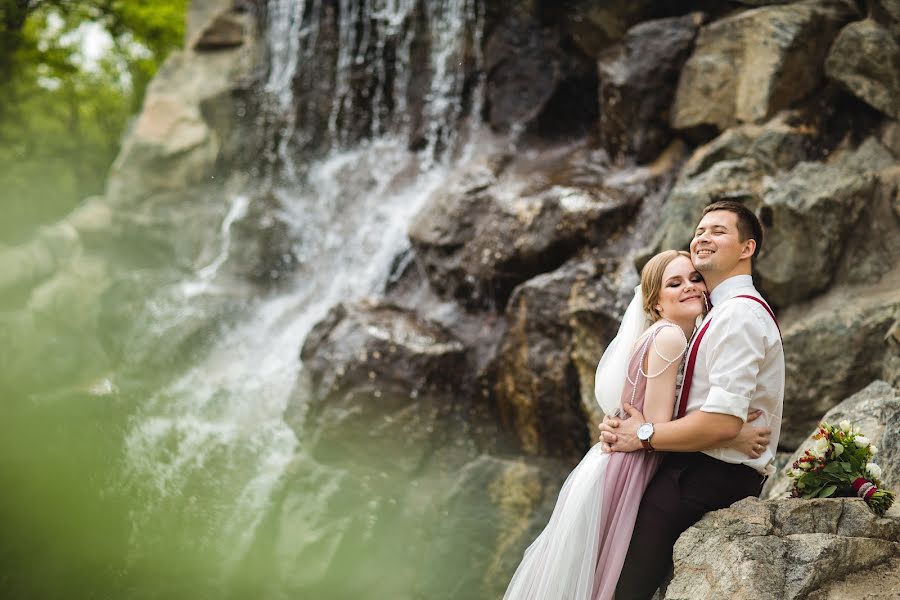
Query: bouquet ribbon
(864, 488)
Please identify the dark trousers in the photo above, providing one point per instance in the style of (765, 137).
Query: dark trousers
(686, 486)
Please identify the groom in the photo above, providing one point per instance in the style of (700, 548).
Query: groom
(734, 365)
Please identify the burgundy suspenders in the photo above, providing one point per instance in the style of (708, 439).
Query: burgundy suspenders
(692, 357)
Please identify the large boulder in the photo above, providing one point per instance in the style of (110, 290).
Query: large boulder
(403, 535)
(557, 327)
(876, 411)
(733, 164)
(534, 79)
(637, 85)
(872, 247)
(809, 228)
(865, 59)
(481, 235)
(748, 66)
(176, 142)
(380, 380)
(833, 347)
(785, 550)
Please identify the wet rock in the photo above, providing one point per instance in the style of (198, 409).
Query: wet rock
(595, 26)
(637, 85)
(876, 411)
(833, 347)
(782, 549)
(865, 59)
(534, 80)
(262, 245)
(557, 327)
(748, 66)
(378, 374)
(495, 508)
(480, 237)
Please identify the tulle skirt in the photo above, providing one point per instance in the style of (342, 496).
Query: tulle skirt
(561, 562)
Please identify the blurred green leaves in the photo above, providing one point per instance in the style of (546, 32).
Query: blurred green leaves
(62, 110)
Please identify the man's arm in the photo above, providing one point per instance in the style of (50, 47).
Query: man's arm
(735, 352)
(691, 433)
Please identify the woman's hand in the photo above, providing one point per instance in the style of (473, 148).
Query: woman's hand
(608, 426)
(751, 441)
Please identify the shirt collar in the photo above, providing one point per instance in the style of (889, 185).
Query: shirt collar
(730, 288)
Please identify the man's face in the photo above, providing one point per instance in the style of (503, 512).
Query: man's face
(716, 247)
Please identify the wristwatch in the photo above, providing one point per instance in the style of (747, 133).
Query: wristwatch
(644, 433)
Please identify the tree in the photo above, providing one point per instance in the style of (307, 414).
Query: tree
(62, 116)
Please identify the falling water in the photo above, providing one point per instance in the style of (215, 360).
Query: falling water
(218, 431)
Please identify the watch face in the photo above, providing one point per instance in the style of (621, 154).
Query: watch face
(645, 431)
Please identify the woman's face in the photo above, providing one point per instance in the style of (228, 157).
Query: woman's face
(681, 294)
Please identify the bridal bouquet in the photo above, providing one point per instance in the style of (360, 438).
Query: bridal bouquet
(840, 464)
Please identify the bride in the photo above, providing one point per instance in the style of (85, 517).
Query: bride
(580, 553)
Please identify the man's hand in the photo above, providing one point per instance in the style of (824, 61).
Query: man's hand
(621, 435)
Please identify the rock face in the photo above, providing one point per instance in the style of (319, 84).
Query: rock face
(175, 142)
(476, 242)
(833, 348)
(876, 411)
(557, 327)
(637, 86)
(808, 228)
(747, 67)
(780, 550)
(378, 372)
(865, 59)
(732, 165)
(534, 80)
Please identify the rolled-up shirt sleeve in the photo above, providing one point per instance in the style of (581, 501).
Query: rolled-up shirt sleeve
(735, 354)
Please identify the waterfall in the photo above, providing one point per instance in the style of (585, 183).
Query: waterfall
(218, 430)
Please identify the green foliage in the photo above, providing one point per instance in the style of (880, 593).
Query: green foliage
(62, 117)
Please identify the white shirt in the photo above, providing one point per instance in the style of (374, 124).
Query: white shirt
(740, 366)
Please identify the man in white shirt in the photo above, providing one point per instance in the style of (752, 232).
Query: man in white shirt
(734, 365)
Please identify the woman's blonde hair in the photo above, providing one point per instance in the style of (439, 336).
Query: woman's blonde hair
(651, 279)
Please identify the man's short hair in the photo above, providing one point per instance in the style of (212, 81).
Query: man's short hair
(748, 225)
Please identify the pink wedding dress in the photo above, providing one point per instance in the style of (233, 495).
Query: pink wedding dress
(580, 553)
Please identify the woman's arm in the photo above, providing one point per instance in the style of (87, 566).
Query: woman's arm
(664, 357)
